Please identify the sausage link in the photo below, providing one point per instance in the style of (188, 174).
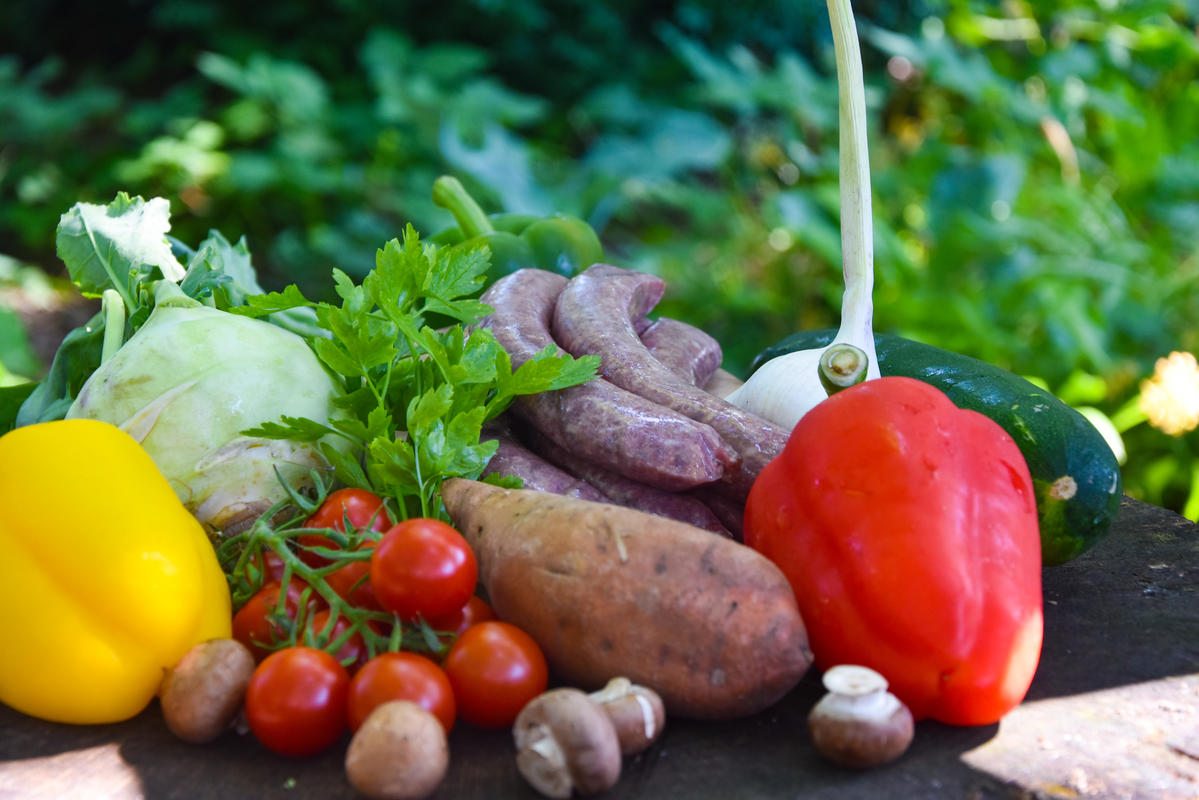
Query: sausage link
(594, 314)
(624, 492)
(597, 420)
(686, 350)
(729, 510)
(513, 458)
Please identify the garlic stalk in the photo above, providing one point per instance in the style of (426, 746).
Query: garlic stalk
(785, 388)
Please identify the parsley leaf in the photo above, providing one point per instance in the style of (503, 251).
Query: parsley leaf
(416, 399)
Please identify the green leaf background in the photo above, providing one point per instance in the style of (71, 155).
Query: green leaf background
(1035, 167)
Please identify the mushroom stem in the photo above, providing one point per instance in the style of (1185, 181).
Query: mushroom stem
(566, 743)
(636, 712)
(543, 764)
(859, 723)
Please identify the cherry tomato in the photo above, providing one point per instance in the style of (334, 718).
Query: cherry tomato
(296, 701)
(351, 655)
(423, 567)
(476, 610)
(352, 582)
(363, 509)
(252, 624)
(495, 669)
(274, 566)
(401, 676)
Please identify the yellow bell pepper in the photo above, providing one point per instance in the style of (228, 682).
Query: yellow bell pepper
(105, 579)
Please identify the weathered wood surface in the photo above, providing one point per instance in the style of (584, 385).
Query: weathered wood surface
(1113, 713)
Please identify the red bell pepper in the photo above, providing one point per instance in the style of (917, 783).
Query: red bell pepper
(908, 529)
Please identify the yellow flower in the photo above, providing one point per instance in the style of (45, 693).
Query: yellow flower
(1170, 399)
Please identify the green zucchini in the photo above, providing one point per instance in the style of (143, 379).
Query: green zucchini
(1075, 474)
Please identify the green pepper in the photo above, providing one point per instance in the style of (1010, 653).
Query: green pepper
(508, 223)
(563, 244)
(560, 243)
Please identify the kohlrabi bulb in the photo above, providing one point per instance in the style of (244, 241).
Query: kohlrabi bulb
(185, 385)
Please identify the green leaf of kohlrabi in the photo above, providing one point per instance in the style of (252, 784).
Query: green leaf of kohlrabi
(77, 358)
(117, 246)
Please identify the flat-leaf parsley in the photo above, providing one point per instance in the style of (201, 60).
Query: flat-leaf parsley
(415, 398)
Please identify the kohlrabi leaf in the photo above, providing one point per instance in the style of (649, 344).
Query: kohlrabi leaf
(117, 246)
(225, 272)
(76, 359)
(11, 400)
(234, 261)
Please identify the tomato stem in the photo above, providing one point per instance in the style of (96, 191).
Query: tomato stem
(242, 549)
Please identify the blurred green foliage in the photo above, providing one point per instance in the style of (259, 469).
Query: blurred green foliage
(1035, 166)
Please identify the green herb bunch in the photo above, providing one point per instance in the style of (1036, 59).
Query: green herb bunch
(416, 398)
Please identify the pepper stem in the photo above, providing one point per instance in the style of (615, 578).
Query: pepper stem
(450, 194)
(857, 233)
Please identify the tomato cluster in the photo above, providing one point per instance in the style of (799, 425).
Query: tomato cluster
(420, 572)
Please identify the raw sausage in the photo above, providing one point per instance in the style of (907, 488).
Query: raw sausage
(597, 420)
(594, 314)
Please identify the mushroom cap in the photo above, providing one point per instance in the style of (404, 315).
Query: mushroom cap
(859, 723)
(399, 753)
(566, 742)
(202, 694)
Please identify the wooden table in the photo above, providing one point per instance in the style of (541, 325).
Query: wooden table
(1113, 712)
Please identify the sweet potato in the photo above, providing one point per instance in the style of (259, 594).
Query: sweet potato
(709, 624)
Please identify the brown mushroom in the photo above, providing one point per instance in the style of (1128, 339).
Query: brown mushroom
(636, 712)
(566, 743)
(859, 723)
(399, 753)
(202, 694)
